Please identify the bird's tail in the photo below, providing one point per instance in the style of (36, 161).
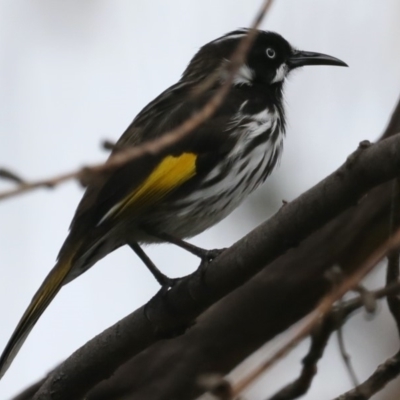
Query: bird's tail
(46, 293)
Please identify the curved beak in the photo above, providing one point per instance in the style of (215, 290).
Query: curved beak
(302, 58)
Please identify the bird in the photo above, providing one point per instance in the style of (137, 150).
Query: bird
(195, 182)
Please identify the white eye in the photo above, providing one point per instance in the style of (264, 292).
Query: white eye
(271, 52)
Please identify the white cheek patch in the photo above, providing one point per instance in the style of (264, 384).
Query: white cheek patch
(281, 73)
(244, 76)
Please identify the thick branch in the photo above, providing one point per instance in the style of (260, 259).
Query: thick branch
(167, 315)
(223, 352)
(390, 369)
(392, 274)
(239, 324)
(267, 305)
(322, 310)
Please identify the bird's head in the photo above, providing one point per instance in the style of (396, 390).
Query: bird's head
(269, 60)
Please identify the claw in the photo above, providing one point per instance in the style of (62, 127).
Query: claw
(167, 283)
(210, 255)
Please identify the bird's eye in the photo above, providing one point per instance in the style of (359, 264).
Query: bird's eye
(271, 52)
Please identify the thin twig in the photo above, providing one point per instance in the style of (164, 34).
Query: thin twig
(385, 373)
(336, 277)
(367, 297)
(342, 348)
(390, 369)
(320, 337)
(108, 145)
(217, 386)
(322, 309)
(334, 320)
(346, 357)
(169, 138)
(11, 176)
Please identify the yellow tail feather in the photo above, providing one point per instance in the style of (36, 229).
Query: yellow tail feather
(46, 293)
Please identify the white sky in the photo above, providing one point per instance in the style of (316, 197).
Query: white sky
(73, 73)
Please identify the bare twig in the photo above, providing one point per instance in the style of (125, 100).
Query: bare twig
(346, 357)
(390, 369)
(11, 176)
(320, 311)
(385, 372)
(216, 385)
(352, 305)
(336, 277)
(342, 348)
(368, 298)
(320, 337)
(108, 145)
(169, 138)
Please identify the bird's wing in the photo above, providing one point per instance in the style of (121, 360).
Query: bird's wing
(149, 179)
(130, 189)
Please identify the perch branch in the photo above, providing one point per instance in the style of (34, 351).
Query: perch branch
(172, 313)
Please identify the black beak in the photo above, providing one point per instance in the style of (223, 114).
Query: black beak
(302, 58)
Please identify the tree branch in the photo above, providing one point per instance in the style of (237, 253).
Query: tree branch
(390, 369)
(320, 337)
(11, 176)
(346, 356)
(218, 344)
(166, 315)
(385, 372)
(320, 311)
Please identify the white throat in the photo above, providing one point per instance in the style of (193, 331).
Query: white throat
(281, 73)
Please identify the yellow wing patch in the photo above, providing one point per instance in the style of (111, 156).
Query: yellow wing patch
(169, 174)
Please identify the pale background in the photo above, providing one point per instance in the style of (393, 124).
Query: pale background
(75, 72)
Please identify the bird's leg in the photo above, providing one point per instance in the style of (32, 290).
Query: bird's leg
(204, 254)
(162, 279)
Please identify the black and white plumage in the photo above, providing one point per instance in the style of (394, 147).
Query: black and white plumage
(192, 184)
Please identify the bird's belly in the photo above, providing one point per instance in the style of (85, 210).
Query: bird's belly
(209, 204)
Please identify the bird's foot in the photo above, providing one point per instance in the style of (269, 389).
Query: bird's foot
(167, 283)
(209, 255)
(205, 255)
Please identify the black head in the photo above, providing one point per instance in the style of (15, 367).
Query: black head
(269, 61)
